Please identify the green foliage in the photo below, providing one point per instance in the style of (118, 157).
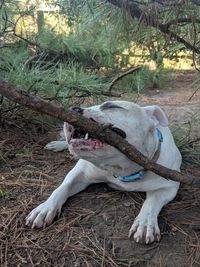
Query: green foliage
(145, 79)
(93, 40)
(88, 51)
(64, 64)
(60, 81)
(185, 135)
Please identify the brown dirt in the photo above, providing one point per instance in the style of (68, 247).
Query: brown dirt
(93, 227)
(179, 98)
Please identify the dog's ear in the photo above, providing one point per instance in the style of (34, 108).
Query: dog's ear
(157, 114)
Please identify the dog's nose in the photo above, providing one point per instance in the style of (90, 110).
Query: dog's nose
(77, 109)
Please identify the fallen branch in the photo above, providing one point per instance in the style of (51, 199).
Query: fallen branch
(96, 130)
(121, 75)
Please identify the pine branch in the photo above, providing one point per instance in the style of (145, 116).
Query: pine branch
(196, 2)
(101, 132)
(121, 75)
(181, 20)
(152, 21)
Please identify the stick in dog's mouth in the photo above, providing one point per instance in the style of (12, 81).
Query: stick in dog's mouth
(75, 136)
(85, 135)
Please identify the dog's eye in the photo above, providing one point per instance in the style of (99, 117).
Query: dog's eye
(109, 105)
(119, 132)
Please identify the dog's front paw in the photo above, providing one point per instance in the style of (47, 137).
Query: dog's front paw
(56, 146)
(42, 215)
(145, 230)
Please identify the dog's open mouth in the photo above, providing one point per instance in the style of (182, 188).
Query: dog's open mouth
(82, 140)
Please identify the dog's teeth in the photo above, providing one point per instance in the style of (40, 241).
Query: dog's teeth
(87, 135)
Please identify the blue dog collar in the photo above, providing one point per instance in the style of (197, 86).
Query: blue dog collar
(159, 135)
(132, 177)
(140, 174)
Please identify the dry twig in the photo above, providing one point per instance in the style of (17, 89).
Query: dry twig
(121, 75)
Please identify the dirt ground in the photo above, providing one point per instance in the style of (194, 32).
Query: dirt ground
(93, 228)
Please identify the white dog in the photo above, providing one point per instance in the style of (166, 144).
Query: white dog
(146, 129)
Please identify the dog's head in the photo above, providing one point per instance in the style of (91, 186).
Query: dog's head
(134, 123)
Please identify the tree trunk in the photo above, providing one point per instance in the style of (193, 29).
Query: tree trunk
(96, 130)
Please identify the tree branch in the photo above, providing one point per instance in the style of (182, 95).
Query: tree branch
(96, 130)
(152, 21)
(121, 75)
(196, 2)
(181, 20)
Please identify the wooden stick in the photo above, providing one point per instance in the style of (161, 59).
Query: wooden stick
(121, 75)
(94, 129)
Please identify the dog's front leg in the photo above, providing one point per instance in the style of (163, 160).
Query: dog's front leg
(82, 175)
(145, 227)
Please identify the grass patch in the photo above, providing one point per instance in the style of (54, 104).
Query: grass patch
(188, 140)
(2, 193)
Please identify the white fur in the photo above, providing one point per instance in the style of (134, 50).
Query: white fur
(105, 163)
(57, 146)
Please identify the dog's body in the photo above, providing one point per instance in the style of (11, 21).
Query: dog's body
(99, 162)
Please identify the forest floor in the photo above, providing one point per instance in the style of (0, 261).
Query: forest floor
(93, 228)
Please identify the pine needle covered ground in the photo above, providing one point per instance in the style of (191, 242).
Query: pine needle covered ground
(93, 227)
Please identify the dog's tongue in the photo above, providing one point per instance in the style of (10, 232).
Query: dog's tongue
(86, 143)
